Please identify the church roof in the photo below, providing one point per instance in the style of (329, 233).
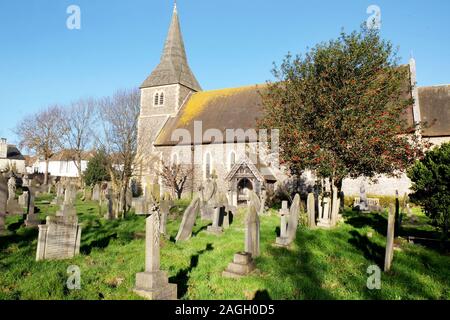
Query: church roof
(435, 110)
(235, 108)
(173, 67)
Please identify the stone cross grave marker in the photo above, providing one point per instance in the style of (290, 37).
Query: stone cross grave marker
(291, 218)
(153, 284)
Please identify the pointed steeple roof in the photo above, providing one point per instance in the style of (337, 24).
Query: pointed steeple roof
(173, 67)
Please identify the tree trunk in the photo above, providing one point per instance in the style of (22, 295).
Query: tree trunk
(46, 171)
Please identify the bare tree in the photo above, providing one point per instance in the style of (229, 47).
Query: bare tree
(41, 133)
(77, 126)
(119, 116)
(176, 177)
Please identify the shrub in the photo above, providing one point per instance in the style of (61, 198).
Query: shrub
(431, 185)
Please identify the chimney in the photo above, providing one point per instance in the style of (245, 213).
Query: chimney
(3, 148)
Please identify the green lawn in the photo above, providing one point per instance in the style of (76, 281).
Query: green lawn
(321, 264)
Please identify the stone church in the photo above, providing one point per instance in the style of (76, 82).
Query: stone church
(181, 123)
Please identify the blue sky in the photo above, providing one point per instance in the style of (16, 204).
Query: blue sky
(229, 43)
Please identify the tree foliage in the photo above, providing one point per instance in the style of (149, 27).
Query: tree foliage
(97, 169)
(431, 186)
(339, 109)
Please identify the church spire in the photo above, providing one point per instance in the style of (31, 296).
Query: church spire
(173, 67)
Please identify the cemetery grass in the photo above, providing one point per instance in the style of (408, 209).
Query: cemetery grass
(321, 264)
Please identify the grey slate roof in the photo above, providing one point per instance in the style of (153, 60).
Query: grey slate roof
(14, 153)
(173, 67)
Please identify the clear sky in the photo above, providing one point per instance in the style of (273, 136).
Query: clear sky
(229, 43)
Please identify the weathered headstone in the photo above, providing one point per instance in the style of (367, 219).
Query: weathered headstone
(109, 215)
(311, 208)
(241, 266)
(243, 263)
(284, 214)
(207, 196)
(390, 239)
(96, 192)
(290, 233)
(263, 202)
(153, 284)
(165, 206)
(363, 204)
(68, 206)
(59, 238)
(324, 209)
(335, 206)
(32, 219)
(252, 231)
(189, 217)
(23, 199)
(13, 206)
(216, 228)
(3, 202)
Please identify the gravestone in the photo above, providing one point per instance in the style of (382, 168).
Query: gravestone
(96, 192)
(284, 213)
(335, 206)
(241, 266)
(263, 202)
(252, 230)
(207, 195)
(363, 204)
(112, 202)
(324, 211)
(288, 236)
(139, 205)
(153, 284)
(311, 208)
(165, 205)
(3, 202)
(68, 206)
(189, 217)
(23, 199)
(12, 206)
(243, 263)
(59, 238)
(216, 228)
(389, 255)
(32, 220)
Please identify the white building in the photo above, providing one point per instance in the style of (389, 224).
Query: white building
(61, 164)
(10, 157)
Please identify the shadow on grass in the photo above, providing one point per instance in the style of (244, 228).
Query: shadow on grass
(22, 240)
(182, 277)
(371, 251)
(15, 226)
(360, 220)
(262, 295)
(301, 269)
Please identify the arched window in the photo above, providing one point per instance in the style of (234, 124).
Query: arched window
(208, 165)
(156, 102)
(161, 99)
(232, 159)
